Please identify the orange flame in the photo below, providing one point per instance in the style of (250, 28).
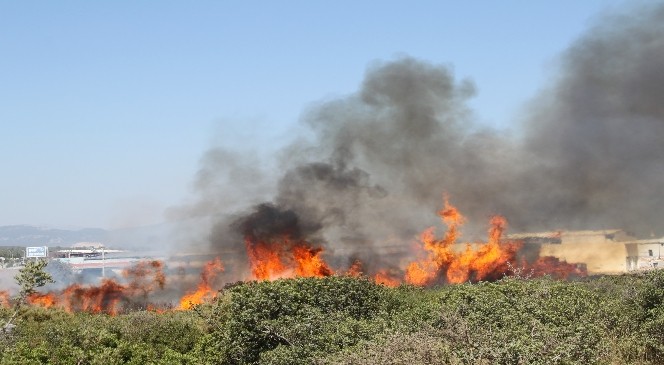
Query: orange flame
(283, 258)
(441, 261)
(42, 300)
(144, 278)
(204, 291)
(488, 261)
(384, 277)
(440, 252)
(264, 259)
(94, 299)
(4, 299)
(309, 263)
(552, 266)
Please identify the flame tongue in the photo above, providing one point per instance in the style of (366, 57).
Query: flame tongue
(485, 262)
(47, 300)
(309, 263)
(281, 258)
(440, 252)
(265, 259)
(204, 291)
(386, 277)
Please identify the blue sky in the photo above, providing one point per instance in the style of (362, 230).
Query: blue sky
(107, 107)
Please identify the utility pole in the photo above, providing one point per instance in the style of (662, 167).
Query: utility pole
(103, 263)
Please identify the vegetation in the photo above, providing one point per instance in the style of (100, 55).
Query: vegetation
(344, 320)
(11, 255)
(32, 276)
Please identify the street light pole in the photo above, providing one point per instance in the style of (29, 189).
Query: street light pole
(103, 263)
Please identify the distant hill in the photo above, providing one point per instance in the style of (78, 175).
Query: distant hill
(137, 237)
(24, 235)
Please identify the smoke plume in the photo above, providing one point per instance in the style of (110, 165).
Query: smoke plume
(594, 137)
(371, 172)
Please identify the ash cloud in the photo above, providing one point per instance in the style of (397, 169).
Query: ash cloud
(589, 155)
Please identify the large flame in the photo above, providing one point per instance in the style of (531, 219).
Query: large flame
(282, 258)
(204, 291)
(309, 262)
(265, 259)
(476, 262)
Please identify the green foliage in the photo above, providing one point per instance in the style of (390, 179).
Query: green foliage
(49, 336)
(343, 320)
(32, 276)
(291, 321)
(423, 347)
(523, 322)
(11, 254)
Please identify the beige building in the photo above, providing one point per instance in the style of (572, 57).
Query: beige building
(608, 251)
(645, 254)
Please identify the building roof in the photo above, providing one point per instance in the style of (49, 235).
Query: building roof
(648, 241)
(560, 233)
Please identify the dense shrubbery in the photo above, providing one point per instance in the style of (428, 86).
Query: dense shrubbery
(343, 320)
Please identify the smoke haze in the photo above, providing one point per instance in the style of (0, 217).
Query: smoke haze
(373, 166)
(595, 136)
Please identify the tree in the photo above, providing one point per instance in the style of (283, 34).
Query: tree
(29, 278)
(32, 276)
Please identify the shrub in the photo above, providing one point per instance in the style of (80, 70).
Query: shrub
(293, 320)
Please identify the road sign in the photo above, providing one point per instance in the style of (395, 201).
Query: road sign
(36, 251)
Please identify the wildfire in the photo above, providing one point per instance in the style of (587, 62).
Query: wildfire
(204, 291)
(355, 268)
(549, 265)
(309, 263)
(4, 299)
(145, 276)
(481, 261)
(283, 258)
(265, 259)
(442, 261)
(43, 300)
(440, 253)
(386, 278)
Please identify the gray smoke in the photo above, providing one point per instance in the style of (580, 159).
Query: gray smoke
(595, 138)
(376, 164)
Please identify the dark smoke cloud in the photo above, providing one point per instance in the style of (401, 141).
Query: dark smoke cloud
(382, 158)
(376, 164)
(596, 136)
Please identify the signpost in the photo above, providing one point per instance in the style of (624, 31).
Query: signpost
(36, 252)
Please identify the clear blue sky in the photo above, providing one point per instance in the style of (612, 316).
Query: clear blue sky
(107, 106)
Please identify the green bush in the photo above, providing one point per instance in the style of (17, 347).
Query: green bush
(291, 321)
(51, 336)
(344, 320)
(517, 321)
